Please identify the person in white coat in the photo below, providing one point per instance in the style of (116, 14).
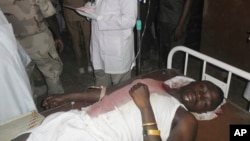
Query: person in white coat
(16, 95)
(112, 40)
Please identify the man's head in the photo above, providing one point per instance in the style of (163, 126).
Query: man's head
(201, 96)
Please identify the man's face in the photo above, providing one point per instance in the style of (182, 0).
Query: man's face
(199, 97)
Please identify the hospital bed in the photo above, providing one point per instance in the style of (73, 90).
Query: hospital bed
(222, 74)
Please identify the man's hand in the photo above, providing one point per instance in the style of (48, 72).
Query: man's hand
(140, 95)
(178, 33)
(59, 45)
(54, 101)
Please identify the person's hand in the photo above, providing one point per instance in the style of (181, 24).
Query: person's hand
(178, 33)
(88, 12)
(140, 95)
(59, 45)
(54, 101)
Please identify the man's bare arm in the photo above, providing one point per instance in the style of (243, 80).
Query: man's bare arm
(184, 126)
(59, 99)
(140, 95)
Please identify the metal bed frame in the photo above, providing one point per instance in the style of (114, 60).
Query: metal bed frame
(216, 129)
(209, 60)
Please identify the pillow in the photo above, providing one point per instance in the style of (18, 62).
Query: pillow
(179, 81)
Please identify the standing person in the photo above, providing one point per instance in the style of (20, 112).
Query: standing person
(172, 21)
(79, 28)
(29, 19)
(16, 96)
(112, 40)
(59, 14)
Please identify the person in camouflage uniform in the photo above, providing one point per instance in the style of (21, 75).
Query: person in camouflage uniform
(30, 20)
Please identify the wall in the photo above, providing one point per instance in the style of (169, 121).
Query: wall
(224, 31)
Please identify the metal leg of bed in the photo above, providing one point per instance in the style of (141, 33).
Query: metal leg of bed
(247, 95)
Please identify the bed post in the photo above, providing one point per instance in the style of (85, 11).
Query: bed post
(247, 95)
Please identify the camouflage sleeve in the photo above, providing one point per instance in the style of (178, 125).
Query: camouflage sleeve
(46, 7)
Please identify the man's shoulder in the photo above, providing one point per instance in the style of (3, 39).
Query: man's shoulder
(185, 117)
(184, 126)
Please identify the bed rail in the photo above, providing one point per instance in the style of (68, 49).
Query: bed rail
(209, 60)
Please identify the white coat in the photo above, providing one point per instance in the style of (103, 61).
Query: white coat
(112, 36)
(16, 96)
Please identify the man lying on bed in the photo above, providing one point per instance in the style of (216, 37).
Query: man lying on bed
(146, 109)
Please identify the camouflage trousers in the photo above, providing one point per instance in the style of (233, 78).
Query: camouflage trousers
(41, 49)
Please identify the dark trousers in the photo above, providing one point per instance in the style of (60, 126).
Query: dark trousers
(166, 33)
